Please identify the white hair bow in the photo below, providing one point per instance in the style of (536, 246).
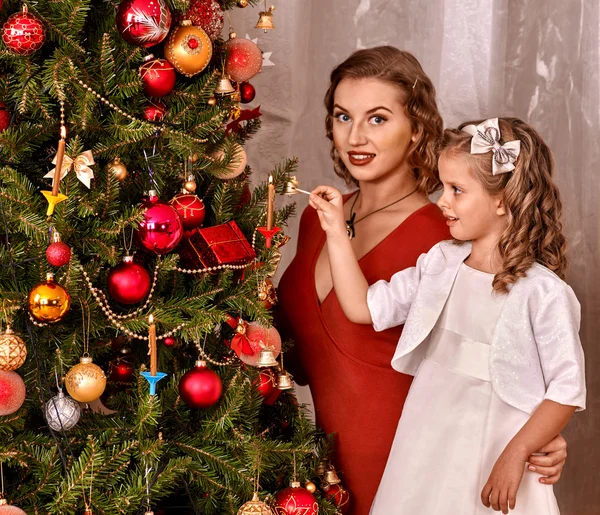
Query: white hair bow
(486, 138)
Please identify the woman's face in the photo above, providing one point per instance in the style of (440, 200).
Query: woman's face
(371, 132)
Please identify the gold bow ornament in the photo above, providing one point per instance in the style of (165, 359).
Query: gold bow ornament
(81, 164)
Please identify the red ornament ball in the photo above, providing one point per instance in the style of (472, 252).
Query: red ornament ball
(169, 341)
(121, 371)
(12, 392)
(339, 496)
(155, 111)
(208, 15)
(244, 59)
(8, 509)
(4, 117)
(143, 22)
(128, 282)
(295, 500)
(161, 230)
(23, 33)
(158, 77)
(200, 387)
(247, 92)
(58, 253)
(259, 336)
(190, 208)
(267, 386)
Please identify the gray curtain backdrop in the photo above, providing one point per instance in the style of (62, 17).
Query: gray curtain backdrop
(535, 59)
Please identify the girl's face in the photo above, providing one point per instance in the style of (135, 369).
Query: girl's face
(370, 130)
(472, 213)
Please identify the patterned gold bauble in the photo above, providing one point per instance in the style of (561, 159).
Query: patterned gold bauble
(48, 301)
(118, 169)
(13, 350)
(188, 49)
(86, 381)
(255, 507)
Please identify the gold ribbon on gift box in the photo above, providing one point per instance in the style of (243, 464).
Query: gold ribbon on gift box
(81, 164)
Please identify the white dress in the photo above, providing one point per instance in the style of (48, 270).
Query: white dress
(453, 426)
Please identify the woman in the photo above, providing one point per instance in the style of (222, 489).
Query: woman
(383, 122)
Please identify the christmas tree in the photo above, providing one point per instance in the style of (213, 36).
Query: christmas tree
(139, 363)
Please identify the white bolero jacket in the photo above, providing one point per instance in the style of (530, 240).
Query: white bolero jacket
(535, 352)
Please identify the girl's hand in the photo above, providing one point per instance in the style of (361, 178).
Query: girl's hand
(500, 491)
(330, 207)
(551, 465)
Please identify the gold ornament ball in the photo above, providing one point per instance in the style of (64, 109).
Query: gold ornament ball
(255, 507)
(194, 158)
(242, 3)
(13, 351)
(190, 186)
(118, 169)
(86, 381)
(311, 487)
(212, 101)
(188, 49)
(237, 164)
(48, 301)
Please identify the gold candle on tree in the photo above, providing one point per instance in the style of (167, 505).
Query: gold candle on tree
(152, 345)
(60, 154)
(270, 203)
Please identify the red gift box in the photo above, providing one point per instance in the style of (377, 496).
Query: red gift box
(218, 245)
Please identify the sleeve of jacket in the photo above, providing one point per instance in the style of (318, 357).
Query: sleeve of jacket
(556, 331)
(390, 302)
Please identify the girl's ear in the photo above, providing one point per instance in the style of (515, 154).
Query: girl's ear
(500, 210)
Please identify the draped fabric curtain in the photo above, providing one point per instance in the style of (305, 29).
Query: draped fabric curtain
(535, 59)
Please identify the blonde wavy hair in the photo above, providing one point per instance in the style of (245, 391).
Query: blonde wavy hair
(401, 68)
(530, 196)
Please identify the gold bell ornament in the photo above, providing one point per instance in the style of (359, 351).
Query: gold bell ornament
(13, 350)
(255, 507)
(331, 476)
(266, 358)
(284, 380)
(322, 467)
(224, 86)
(265, 19)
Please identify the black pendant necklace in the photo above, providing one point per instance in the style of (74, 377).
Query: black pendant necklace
(352, 222)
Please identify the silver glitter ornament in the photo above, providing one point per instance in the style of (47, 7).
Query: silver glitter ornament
(62, 412)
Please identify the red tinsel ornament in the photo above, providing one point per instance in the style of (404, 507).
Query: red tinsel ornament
(244, 59)
(4, 117)
(158, 77)
(267, 386)
(295, 500)
(339, 496)
(155, 111)
(128, 282)
(143, 22)
(247, 92)
(23, 33)
(208, 15)
(200, 387)
(190, 208)
(161, 230)
(12, 392)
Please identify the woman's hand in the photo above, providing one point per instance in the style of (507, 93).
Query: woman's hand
(500, 491)
(330, 207)
(551, 465)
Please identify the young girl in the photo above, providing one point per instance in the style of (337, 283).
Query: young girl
(491, 329)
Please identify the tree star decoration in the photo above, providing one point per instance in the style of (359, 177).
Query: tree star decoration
(266, 55)
(81, 164)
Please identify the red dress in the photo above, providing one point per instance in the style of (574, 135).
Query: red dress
(356, 393)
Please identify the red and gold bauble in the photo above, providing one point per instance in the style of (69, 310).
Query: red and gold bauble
(190, 208)
(200, 387)
(48, 301)
(161, 230)
(143, 22)
(260, 337)
(247, 92)
(208, 15)
(58, 253)
(155, 111)
(267, 295)
(339, 496)
(244, 59)
(169, 341)
(188, 49)
(23, 33)
(295, 500)
(128, 282)
(267, 386)
(236, 165)
(158, 77)
(13, 351)
(4, 117)
(12, 392)
(121, 371)
(86, 381)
